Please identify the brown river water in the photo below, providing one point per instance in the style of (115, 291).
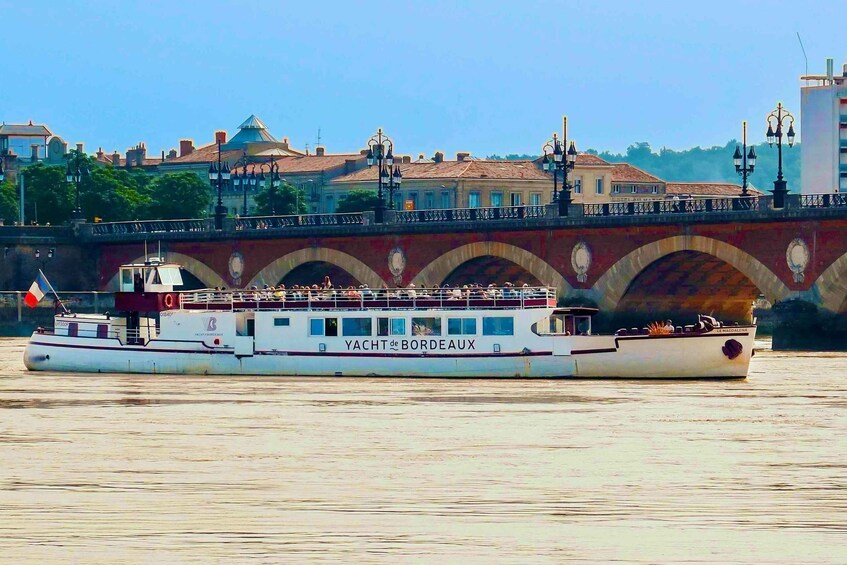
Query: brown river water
(159, 469)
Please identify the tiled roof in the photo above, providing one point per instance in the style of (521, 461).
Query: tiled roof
(587, 159)
(471, 169)
(308, 163)
(624, 172)
(24, 130)
(205, 154)
(708, 189)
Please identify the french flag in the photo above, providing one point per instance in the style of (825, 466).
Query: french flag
(37, 291)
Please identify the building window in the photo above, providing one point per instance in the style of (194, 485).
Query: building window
(496, 199)
(323, 326)
(390, 326)
(633, 189)
(445, 199)
(616, 189)
(654, 189)
(356, 326)
(413, 199)
(281, 322)
(535, 199)
(599, 186)
(330, 204)
(498, 325)
(398, 201)
(577, 185)
(515, 198)
(429, 200)
(461, 326)
(473, 199)
(426, 326)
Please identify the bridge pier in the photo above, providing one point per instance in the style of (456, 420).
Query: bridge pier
(800, 325)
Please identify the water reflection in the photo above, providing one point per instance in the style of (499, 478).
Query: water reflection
(136, 469)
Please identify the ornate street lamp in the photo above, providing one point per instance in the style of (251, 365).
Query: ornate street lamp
(218, 176)
(74, 173)
(275, 180)
(556, 159)
(381, 153)
(745, 161)
(776, 120)
(243, 181)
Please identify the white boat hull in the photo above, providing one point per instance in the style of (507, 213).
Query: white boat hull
(673, 356)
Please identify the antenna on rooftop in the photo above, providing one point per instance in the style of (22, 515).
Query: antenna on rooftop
(804, 56)
(319, 136)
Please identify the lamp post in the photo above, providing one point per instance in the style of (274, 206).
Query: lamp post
(218, 176)
(776, 120)
(74, 173)
(388, 174)
(745, 161)
(556, 159)
(243, 180)
(273, 175)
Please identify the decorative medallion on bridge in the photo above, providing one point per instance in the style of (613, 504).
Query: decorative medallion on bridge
(236, 267)
(581, 260)
(396, 264)
(797, 257)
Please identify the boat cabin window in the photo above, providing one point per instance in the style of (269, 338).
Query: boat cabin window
(170, 276)
(390, 326)
(583, 325)
(282, 322)
(461, 326)
(356, 326)
(498, 325)
(323, 326)
(426, 326)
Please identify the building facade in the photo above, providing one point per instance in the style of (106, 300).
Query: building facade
(823, 129)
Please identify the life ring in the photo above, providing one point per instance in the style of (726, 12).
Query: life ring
(169, 301)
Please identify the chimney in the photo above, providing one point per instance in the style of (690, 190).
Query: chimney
(186, 147)
(462, 156)
(829, 71)
(172, 154)
(33, 152)
(130, 158)
(100, 153)
(140, 154)
(285, 143)
(116, 159)
(220, 137)
(79, 147)
(406, 159)
(438, 157)
(320, 151)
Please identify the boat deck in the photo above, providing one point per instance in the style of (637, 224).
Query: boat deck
(369, 299)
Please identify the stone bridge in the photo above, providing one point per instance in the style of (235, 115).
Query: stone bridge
(627, 258)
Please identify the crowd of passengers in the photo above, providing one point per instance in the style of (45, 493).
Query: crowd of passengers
(327, 291)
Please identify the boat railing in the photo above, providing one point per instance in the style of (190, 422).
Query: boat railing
(367, 298)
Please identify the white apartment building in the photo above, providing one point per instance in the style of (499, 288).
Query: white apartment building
(823, 132)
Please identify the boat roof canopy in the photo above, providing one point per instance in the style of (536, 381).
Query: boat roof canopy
(576, 310)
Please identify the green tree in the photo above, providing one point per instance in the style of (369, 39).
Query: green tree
(358, 200)
(49, 198)
(280, 200)
(176, 195)
(8, 202)
(112, 195)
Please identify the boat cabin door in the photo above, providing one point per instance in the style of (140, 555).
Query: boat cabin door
(245, 339)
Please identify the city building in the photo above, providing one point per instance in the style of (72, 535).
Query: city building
(823, 129)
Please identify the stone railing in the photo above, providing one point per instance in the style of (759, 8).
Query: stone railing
(695, 209)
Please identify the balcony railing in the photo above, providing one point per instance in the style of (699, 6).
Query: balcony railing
(470, 214)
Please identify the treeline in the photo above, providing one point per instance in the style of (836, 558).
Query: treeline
(713, 164)
(113, 195)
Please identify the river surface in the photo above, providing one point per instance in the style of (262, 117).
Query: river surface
(169, 470)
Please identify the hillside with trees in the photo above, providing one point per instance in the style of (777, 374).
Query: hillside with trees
(703, 164)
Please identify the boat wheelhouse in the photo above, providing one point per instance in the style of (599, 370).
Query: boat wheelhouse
(400, 332)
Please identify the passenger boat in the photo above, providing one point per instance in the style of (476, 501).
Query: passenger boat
(507, 332)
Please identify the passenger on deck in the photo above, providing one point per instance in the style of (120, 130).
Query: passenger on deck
(411, 292)
(669, 326)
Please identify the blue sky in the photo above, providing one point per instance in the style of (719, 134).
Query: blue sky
(484, 77)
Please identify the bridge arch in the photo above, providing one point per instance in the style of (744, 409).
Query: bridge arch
(831, 286)
(439, 269)
(203, 272)
(278, 269)
(613, 284)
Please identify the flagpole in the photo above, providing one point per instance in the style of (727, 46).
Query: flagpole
(54, 292)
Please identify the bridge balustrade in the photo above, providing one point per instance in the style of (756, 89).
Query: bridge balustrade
(279, 222)
(682, 206)
(469, 214)
(148, 226)
(836, 200)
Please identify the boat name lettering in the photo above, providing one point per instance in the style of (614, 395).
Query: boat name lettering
(410, 344)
